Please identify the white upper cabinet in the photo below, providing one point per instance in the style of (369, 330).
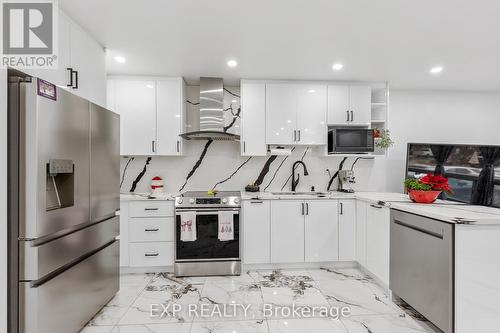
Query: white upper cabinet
(135, 102)
(253, 119)
(311, 114)
(88, 65)
(295, 114)
(281, 114)
(152, 114)
(321, 230)
(170, 116)
(80, 63)
(349, 105)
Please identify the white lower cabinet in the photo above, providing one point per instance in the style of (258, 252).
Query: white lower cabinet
(321, 231)
(287, 231)
(151, 254)
(361, 232)
(256, 231)
(304, 231)
(347, 230)
(377, 241)
(147, 233)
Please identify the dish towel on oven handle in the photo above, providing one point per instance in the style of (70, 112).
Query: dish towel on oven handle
(188, 226)
(226, 226)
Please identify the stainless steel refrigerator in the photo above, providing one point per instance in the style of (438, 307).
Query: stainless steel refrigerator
(63, 184)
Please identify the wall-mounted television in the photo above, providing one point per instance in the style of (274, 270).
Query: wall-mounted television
(473, 171)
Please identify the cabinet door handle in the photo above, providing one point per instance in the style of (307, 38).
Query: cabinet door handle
(76, 80)
(151, 254)
(302, 204)
(294, 135)
(178, 146)
(376, 206)
(307, 208)
(153, 146)
(149, 209)
(256, 202)
(352, 115)
(299, 135)
(244, 146)
(151, 230)
(347, 119)
(70, 76)
(341, 208)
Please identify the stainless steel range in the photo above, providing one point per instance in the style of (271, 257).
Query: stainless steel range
(207, 234)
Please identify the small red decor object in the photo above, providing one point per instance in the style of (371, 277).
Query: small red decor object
(423, 196)
(157, 185)
(428, 188)
(437, 182)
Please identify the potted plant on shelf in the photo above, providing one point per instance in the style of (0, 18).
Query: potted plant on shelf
(428, 188)
(382, 138)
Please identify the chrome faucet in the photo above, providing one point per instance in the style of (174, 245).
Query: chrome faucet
(296, 182)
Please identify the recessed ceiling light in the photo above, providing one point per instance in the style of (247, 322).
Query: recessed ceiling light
(312, 91)
(436, 69)
(337, 66)
(232, 63)
(150, 86)
(120, 59)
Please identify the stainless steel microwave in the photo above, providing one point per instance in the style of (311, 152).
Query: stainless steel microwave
(350, 140)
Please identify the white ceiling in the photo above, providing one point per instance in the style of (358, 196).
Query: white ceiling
(376, 40)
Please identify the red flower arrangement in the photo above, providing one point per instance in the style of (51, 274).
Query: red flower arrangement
(437, 182)
(427, 188)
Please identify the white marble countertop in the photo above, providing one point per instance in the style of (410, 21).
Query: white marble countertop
(145, 196)
(271, 196)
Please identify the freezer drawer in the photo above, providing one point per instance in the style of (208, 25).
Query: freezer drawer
(69, 300)
(422, 266)
(38, 261)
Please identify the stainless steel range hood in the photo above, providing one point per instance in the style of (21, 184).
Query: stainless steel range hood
(212, 126)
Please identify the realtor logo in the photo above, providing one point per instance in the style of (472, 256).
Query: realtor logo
(29, 34)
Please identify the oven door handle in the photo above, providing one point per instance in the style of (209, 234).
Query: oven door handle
(208, 212)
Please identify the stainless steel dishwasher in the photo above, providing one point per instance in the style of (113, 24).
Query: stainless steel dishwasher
(421, 266)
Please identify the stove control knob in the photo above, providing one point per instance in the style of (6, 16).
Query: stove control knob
(224, 200)
(179, 200)
(191, 201)
(236, 200)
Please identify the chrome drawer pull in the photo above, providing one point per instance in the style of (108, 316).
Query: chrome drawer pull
(157, 229)
(150, 208)
(151, 254)
(376, 206)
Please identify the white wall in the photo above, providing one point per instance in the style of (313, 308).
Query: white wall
(439, 117)
(3, 200)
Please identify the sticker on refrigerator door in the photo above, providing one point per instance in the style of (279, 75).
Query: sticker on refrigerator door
(47, 89)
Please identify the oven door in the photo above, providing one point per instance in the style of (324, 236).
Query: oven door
(352, 140)
(207, 245)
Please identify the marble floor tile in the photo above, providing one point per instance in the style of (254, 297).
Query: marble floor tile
(326, 274)
(254, 326)
(153, 328)
(385, 324)
(362, 297)
(372, 311)
(97, 329)
(307, 325)
(231, 295)
(109, 315)
(163, 291)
